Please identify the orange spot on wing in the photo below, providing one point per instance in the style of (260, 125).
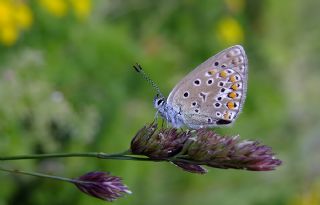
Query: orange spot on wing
(226, 115)
(230, 105)
(232, 95)
(235, 86)
(212, 72)
(232, 79)
(223, 74)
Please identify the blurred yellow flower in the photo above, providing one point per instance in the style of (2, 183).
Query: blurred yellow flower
(82, 8)
(14, 16)
(8, 35)
(229, 31)
(235, 5)
(23, 16)
(312, 197)
(55, 7)
(6, 13)
(17, 16)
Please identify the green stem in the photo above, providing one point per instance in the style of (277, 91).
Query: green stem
(100, 155)
(35, 174)
(126, 155)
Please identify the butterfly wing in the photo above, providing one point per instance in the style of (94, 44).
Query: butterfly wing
(214, 92)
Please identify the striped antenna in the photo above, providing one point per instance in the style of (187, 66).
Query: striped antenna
(139, 69)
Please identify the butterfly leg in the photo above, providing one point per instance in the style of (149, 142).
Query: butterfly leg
(163, 122)
(156, 119)
(156, 115)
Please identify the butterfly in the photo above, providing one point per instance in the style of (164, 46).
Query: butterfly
(211, 95)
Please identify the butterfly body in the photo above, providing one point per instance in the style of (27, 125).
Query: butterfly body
(168, 112)
(211, 95)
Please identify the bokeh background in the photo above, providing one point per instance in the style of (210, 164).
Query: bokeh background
(66, 85)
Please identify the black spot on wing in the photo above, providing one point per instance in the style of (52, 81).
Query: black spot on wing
(223, 122)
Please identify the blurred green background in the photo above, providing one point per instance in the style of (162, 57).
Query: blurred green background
(66, 85)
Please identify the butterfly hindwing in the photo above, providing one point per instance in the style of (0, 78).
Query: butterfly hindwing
(214, 92)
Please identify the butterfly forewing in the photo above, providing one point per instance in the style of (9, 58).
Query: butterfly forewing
(214, 92)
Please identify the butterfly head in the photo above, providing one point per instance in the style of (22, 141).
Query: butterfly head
(167, 111)
(159, 101)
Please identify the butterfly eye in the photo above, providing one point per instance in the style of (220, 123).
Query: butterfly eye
(160, 101)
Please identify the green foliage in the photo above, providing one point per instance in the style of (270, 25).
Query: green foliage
(68, 85)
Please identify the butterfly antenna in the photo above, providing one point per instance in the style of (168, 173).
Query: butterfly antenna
(139, 69)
